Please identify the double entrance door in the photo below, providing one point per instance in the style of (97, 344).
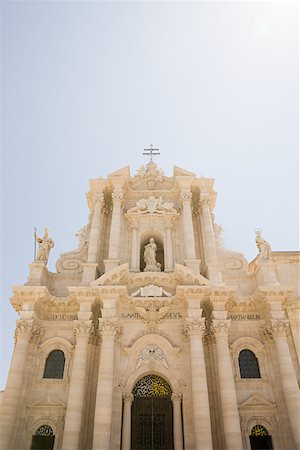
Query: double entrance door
(152, 424)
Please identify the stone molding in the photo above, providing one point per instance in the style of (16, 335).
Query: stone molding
(195, 327)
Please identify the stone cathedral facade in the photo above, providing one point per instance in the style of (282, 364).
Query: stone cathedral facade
(152, 335)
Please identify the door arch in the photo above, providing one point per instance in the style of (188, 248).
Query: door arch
(152, 414)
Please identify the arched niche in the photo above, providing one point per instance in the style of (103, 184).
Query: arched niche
(160, 253)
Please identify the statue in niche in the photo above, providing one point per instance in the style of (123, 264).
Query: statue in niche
(150, 257)
(264, 248)
(45, 245)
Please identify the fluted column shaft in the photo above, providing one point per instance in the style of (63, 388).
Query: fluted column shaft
(74, 413)
(229, 406)
(288, 377)
(126, 429)
(188, 228)
(208, 231)
(24, 330)
(114, 239)
(134, 249)
(103, 409)
(95, 233)
(202, 425)
(169, 249)
(177, 422)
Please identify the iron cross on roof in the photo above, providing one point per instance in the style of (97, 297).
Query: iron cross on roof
(151, 152)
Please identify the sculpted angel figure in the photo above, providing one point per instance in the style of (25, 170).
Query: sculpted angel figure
(45, 245)
(263, 246)
(150, 257)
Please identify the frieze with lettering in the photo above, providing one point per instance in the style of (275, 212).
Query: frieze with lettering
(244, 317)
(60, 317)
(171, 315)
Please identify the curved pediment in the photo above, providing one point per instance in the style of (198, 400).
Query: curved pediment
(166, 283)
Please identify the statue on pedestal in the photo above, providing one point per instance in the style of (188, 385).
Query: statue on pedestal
(150, 257)
(45, 245)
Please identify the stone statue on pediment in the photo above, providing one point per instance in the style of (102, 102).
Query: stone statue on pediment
(45, 245)
(263, 246)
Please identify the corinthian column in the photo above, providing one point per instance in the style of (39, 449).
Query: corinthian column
(91, 266)
(12, 394)
(126, 428)
(114, 238)
(209, 244)
(95, 233)
(103, 409)
(134, 260)
(169, 249)
(188, 228)
(74, 413)
(177, 421)
(195, 329)
(288, 377)
(229, 406)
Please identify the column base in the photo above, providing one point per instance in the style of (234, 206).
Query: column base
(90, 273)
(38, 274)
(193, 265)
(110, 264)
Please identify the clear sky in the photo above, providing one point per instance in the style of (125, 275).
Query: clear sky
(86, 86)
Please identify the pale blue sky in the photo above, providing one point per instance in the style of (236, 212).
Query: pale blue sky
(87, 85)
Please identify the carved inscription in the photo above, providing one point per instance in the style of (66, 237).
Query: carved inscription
(244, 317)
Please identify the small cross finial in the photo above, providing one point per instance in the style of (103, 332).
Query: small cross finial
(151, 152)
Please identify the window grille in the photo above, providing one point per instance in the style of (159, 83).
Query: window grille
(152, 385)
(44, 430)
(248, 363)
(259, 430)
(55, 364)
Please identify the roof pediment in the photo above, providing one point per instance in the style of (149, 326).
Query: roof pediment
(121, 173)
(179, 172)
(256, 400)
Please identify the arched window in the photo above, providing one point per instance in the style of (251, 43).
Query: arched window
(248, 363)
(55, 364)
(260, 439)
(43, 438)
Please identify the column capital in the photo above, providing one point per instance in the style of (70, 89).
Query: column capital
(26, 328)
(220, 327)
(176, 398)
(108, 328)
(204, 201)
(194, 327)
(186, 196)
(128, 398)
(117, 195)
(279, 327)
(83, 328)
(99, 198)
